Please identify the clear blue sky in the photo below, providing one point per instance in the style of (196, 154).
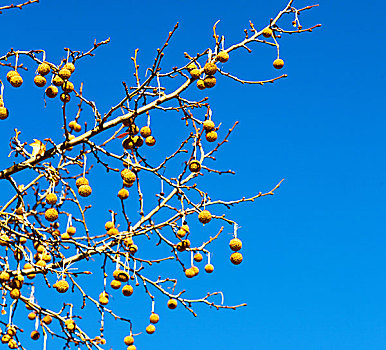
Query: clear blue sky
(314, 254)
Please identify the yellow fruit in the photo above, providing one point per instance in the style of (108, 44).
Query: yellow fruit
(208, 125)
(51, 91)
(47, 319)
(12, 344)
(57, 80)
(5, 338)
(189, 273)
(205, 216)
(191, 66)
(112, 232)
(109, 225)
(195, 73)
(209, 268)
(71, 230)
(70, 325)
(129, 340)
(40, 81)
(267, 32)
(196, 270)
(62, 286)
(127, 290)
(46, 257)
(70, 66)
(35, 335)
(150, 329)
(200, 84)
(150, 140)
(128, 176)
(138, 141)
(64, 73)
(211, 136)
(194, 166)
(81, 181)
(68, 87)
(181, 246)
(84, 190)
(128, 241)
(278, 63)
(15, 293)
(123, 193)
(131, 347)
(51, 198)
(44, 68)
(65, 236)
(197, 257)
(223, 56)
(77, 127)
(133, 129)
(51, 214)
(154, 318)
(172, 304)
(115, 284)
(11, 331)
(10, 74)
(103, 300)
(236, 258)
(65, 97)
(145, 131)
(31, 316)
(121, 275)
(41, 263)
(209, 81)
(29, 267)
(3, 113)
(235, 244)
(181, 233)
(210, 68)
(16, 81)
(133, 249)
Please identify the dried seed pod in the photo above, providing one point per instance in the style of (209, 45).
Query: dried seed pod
(51, 198)
(109, 225)
(211, 136)
(115, 284)
(189, 273)
(235, 244)
(205, 216)
(150, 329)
(145, 131)
(15, 293)
(172, 304)
(127, 290)
(65, 97)
(40, 81)
(200, 84)
(70, 325)
(16, 80)
(194, 166)
(210, 68)
(123, 193)
(195, 73)
(81, 181)
(208, 125)
(35, 335)
(128, 176)
(47, 319)
(71, 230)
(62, 286)
(52, 91)
(44, 68)
(209, 81)
(223, 56)
(150, 140)
(84, 190)
(128, 340)
(154, 318)
(64, 73)
(51, 214)
(278, 63)
(68, 87)
(197, 257)
(191, 66)
(10, 74)
(209, 268)
(236, 258)
(70, 66)
(57, 80)
(3, 113)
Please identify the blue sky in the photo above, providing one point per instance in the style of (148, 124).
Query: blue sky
(313, 269)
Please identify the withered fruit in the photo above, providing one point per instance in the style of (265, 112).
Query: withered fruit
(51, 198)
(209, 81)
(209, 268)
(3, 113)
(150, 140)
(205, 216)
(154, 318)
(195, 73)
(68, 87)
(128, 176)
(113, 231)
(31, 316)
(236, 258)
(208, 125)
(70, 325)
(71, 230)
(278, 63)
(267, 32)
(145, 131)
(70, 66)
(44, 68)
(123, 193)
(128, 340)
(197, 257)
(52, 91)
(62, 286)
(210, 68)
(121, 275)
(235, 244)
(150, 329)
(65, 97)
(189, 273)
(211, 136)
(64, 73)
(40, 81)
(15, 293)
(84, 190)
(81, 181)
(109, 225)
(191, 66)
(200, 84)
(172, 304)
(196, 270)
(194, 166)
(16, 80)
(51, 214)
(223, 56)
(47, 319)
(127, 290)
(10, 74)
(57, 80)
(115, 284)
(35, 335)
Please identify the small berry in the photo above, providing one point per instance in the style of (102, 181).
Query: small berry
(113, 231)
(209, 81)
(150, 329)
(3, 113)
(115, 284)
(236, 258)
(31, 316)
(210, 68)
(51, 214)
(208, 125)
(123, 193)
(84, 190)
(64, 73)
(127, 290)
(195, 73)
(191, 66)
(194, 166)
(211, 136)
(65, 97)
(128, 340)
(197, 257)
(62, 286)
(267, 32)
(57, 80)
(104, 298)
(209, 268)
(10, 74)
(235, 244)
(68, 87)
(70, 66)
(41, 263)
(278, 63)
(201, 84)
(181, 233)
(109, 225)
(145, 131)
(223, 56)
(154, 318)
(70, 325)
(205, 216)
(196, 270)
(128, 176)
(189, 273)
(172, 304)
(121, 275)
(16, 81)
(150, 141)
(44, 68)
(81, 181)
(40, 81)
(35, 335)
(51, 91)
(47, 319)
(133, 249)
(15, 293)
(51, 198)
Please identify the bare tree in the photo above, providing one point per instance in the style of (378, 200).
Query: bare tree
(45, 230)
